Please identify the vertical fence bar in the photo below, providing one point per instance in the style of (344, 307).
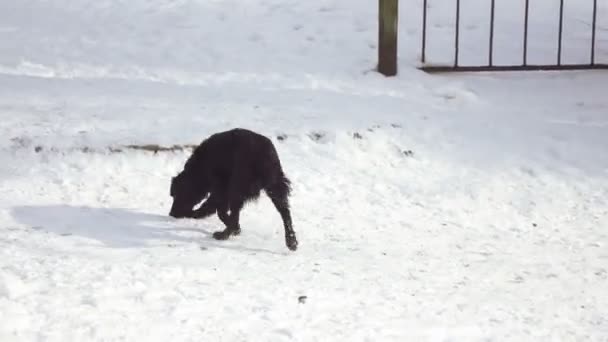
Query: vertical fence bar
(526, 32)
(423, 56)
(456, 39)
(491, 52)
(561, 27)
(593, 27)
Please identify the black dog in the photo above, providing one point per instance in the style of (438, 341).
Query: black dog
(232, 167)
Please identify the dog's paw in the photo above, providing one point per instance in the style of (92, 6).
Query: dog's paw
(221, 235)
(291, 242)
(226, 233)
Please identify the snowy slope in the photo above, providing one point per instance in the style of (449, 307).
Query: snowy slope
(428, 207)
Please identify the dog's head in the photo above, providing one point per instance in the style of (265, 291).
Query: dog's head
(186, 193)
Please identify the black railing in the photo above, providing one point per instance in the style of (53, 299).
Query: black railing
(524, 66)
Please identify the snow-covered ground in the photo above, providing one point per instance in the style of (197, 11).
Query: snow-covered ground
(427, 207)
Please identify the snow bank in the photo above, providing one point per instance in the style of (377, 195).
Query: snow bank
(444, 207)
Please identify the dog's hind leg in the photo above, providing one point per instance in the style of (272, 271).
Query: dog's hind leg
(279, 193)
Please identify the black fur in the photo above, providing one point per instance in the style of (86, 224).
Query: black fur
(229, 169)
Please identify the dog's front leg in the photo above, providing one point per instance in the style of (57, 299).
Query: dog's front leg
(208, 208)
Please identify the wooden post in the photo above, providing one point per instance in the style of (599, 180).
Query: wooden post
(388, 26)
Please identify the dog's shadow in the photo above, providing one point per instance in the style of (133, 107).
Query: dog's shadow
(120, 228)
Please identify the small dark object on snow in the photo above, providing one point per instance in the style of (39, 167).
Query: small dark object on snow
(282, 137)
(230, 169)
(408, 153)
(357, 135)
(302, 299)
(316, 136)
(534, 225)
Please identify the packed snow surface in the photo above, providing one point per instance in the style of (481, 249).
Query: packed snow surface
(428, 207)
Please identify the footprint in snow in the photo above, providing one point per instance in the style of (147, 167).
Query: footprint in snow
(455, 93)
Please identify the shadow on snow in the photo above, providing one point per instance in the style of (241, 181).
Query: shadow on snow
(120, 228)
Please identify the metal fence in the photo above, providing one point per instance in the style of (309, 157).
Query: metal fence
(558, 65)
